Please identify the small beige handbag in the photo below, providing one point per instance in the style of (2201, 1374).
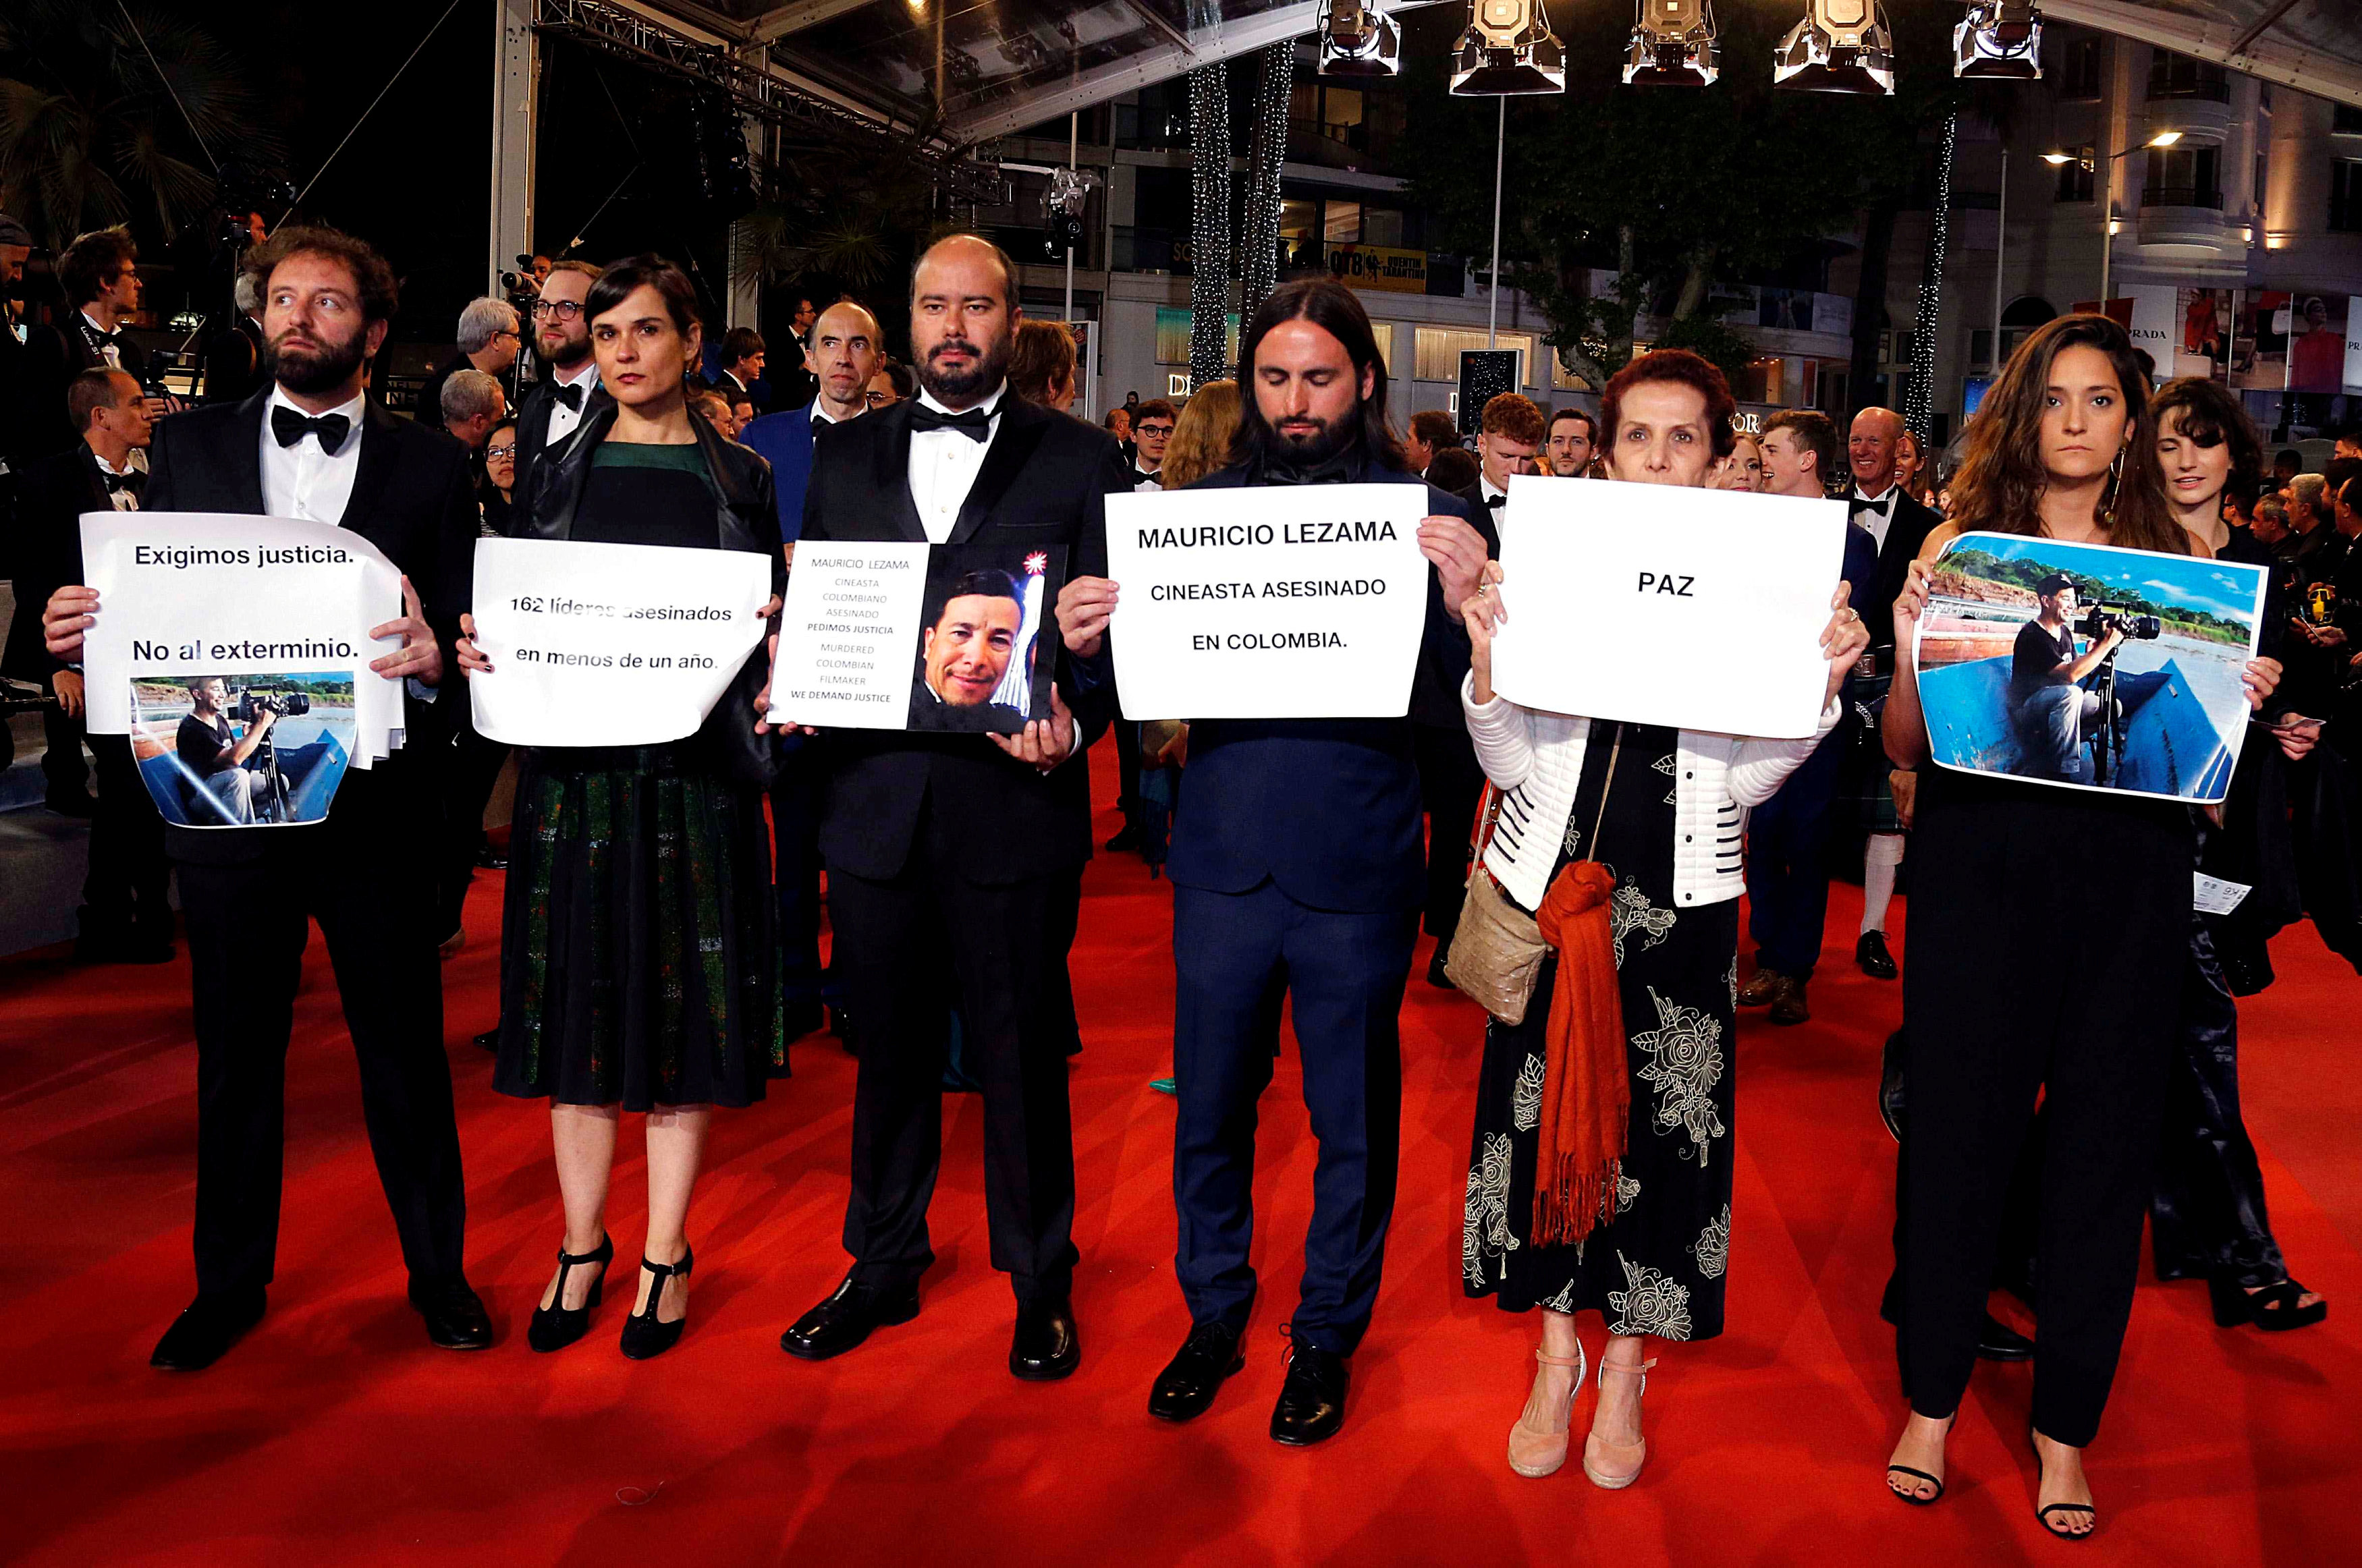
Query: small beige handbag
(1497, 952)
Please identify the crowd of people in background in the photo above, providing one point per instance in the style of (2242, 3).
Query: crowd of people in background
(663, 908)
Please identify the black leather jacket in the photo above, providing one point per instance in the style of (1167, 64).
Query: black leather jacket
(746, 518)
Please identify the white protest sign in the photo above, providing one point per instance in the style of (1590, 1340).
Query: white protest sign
(846, 635)
(609, 644)
(183, 594)
(1276, 603)
(1696, 609)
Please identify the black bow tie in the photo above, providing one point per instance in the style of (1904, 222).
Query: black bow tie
(1864, 503)
(975, 423)
(1494, 502)
(115, 482)
(571, 396)
(290, 426)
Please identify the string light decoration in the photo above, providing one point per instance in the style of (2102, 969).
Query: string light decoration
(1210, 223)
(1919, 401)
(1267, 149)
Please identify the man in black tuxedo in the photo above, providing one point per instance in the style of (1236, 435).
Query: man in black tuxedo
(955, 860)
(1900, 525)
(548, 416)
(1296, 874)
(124, 916)
(312, 446)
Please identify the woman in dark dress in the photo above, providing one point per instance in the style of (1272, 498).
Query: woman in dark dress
(639, 963)
(1661, 809)
(2048, 928)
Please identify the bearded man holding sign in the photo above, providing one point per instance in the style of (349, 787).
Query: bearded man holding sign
(1296, 867)
(312, 446)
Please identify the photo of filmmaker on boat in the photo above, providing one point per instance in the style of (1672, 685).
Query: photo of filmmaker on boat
(2088, 666)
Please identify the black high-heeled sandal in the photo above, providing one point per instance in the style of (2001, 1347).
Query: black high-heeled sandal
(554, 1327)
(644, 1337)
(2043, 1513)
(2273, 1309)
(1935, 1481)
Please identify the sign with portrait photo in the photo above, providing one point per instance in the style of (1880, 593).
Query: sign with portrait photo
(2088, 666)
(957, 639)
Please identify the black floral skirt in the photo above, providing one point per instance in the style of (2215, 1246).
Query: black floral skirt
(639, 948)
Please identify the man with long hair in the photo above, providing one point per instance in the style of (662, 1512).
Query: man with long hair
(1296, 870)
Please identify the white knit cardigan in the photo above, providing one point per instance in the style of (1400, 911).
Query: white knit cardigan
(1535, 759)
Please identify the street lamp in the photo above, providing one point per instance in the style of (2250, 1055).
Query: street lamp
(2108, 198)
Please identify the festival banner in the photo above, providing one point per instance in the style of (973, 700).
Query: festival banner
(1696, 609)
(957, 639)
(2317, 343)
(609, 644)
(1280, 602)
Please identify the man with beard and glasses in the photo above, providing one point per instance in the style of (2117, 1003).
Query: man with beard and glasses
(955, 862)
(1297, 872)
(549, 413)
(313, 446)
(846, 348)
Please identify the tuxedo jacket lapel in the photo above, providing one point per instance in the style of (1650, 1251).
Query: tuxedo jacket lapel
(901, 520)
(380, 436)
(245, 476)
(1021, 427)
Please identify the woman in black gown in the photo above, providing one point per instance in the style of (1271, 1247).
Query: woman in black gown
(639, 962)
(2049, 928)
(1661, 809)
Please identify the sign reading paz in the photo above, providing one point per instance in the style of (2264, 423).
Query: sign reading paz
(609, 644)
(1698, 609)
(1301, 601)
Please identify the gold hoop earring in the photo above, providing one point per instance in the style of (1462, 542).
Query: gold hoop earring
(2115, 488)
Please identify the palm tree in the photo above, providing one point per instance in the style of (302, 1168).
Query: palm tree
(90, 131)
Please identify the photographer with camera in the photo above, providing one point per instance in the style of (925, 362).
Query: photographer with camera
(491, 336)
(221, 781)
(2048, 701)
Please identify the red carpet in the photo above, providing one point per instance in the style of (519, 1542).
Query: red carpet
(334, 1434)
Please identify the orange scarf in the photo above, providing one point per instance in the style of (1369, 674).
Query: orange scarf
(1586, 1096)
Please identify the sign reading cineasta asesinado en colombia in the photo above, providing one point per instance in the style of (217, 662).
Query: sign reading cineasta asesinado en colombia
(1301, 601)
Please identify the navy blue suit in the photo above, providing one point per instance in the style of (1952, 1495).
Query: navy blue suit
(1297, 870)
(785, 440)
(1787, 836)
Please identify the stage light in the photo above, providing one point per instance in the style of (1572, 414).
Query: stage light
(1672, 45)
(1999, 38)
(1508, 49)
(1359, 39)
(1840, 46)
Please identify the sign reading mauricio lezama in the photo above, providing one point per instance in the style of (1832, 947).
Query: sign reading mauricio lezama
(609, 644)
(1294, 601)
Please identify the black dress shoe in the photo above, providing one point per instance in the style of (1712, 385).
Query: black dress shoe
(206, 1327)
(490, 859)
(1435, 975)
(1996, 1340)
(456, 1319)
(1127, 837)
(646, 1337)
(489, 1039)
(1047, 1345)
(1871, 955)
(1184, 1390)
(845, 1319)
(1312, 1401)
(556, 1326)
(1889, 1084)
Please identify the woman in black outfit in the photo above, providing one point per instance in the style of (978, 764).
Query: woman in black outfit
(639, 963)
(2042, 921)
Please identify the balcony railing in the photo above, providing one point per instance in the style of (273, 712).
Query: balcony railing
(2182, 197)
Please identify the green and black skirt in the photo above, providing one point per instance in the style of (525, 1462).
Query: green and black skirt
(639, 947)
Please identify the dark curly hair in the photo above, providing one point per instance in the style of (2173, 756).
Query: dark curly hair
(380, 291)
(1999, 488)
(92, 262)
(2210, 415)
(1672, 365)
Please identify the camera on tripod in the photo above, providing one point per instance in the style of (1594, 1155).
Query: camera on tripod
(2101, 619)
(521, 286)
(251, 704)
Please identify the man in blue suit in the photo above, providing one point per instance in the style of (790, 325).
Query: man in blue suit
(844, 351)
(1297, 870)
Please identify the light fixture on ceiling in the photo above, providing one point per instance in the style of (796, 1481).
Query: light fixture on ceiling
(1508, 49)
(1359, 39)
(1999, 38)
(1839, 46)
(1672, 45)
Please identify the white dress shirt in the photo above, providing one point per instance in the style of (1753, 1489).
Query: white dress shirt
(562, 419)
(109, 352)
(121, 500)
(1146, 484)
(303, 480)
(944, 465)
(1881, 512)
